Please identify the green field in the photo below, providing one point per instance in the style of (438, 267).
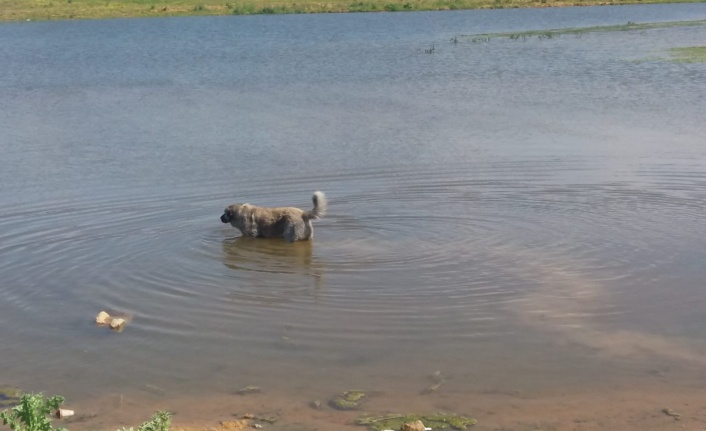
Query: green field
(20, 10)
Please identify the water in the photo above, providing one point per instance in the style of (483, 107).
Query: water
(523, 216)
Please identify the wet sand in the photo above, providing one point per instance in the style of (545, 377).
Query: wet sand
(638, 408)
(661, 393)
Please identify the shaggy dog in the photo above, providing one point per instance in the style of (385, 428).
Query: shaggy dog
(290, 223)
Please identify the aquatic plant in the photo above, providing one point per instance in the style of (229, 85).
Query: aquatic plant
(348, 400)
(689, 54)
(578, 31)
(9, 396)
(433, 421)
(31, 414)
(160, 421)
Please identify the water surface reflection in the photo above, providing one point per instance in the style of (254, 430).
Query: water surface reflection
(524, 216)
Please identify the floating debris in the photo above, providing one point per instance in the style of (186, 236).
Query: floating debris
(671, 413)
(248, 390)
(233, 425)
(438, 379)
(414, 426)
(103, 318)
(434, 421)
(270, 419)
(153, 389)
(348, 400)
(316, 404)
(116, 323)
(64, 413)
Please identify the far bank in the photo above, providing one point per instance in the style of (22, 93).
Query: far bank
(22, 10)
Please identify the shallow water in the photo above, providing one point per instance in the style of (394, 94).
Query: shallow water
(520, 215)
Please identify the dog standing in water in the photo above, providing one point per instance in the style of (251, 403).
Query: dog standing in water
(290, 223)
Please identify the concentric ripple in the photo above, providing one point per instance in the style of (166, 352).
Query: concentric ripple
(489, 216)
(412, 255)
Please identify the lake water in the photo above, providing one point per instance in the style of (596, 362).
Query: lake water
(526, 217)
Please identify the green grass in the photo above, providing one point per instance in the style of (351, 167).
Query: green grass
(689, 54)
(20, 10)
(32, 413)
(578, 31)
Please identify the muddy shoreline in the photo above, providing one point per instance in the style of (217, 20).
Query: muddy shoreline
(638, 408)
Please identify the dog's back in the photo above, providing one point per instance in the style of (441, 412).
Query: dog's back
(290, 223)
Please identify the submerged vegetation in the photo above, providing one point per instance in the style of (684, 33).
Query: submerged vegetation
(433, 421)
(15, 10)
(33, 411)
(9, 396)
(578, 31)
(689, 54)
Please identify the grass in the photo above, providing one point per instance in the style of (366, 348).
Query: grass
(20, 10)
(33, 413)
(578, 31)
(689, 54)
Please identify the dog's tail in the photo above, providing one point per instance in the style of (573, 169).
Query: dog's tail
(320, 206)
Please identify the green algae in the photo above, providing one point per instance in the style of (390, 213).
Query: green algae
(9, 396)
(688, 54)
(434, 421)
(348, 400)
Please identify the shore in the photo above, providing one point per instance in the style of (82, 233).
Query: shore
(648, 407)
(33, 10)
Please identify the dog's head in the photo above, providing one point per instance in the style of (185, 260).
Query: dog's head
(231, 213)
(236, 215)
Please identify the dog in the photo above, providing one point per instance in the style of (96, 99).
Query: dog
(290, 223)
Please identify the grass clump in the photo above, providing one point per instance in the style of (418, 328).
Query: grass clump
(33, 411)
(160, 421)
(434, 421)
(578, 31)
(689, 54)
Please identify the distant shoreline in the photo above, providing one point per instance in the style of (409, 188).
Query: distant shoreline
(43, 10)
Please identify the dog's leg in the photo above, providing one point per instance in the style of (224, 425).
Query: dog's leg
(308, 230)
(298, 230)
(290, 232)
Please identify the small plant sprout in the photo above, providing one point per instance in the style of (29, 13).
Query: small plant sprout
(160, 421)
